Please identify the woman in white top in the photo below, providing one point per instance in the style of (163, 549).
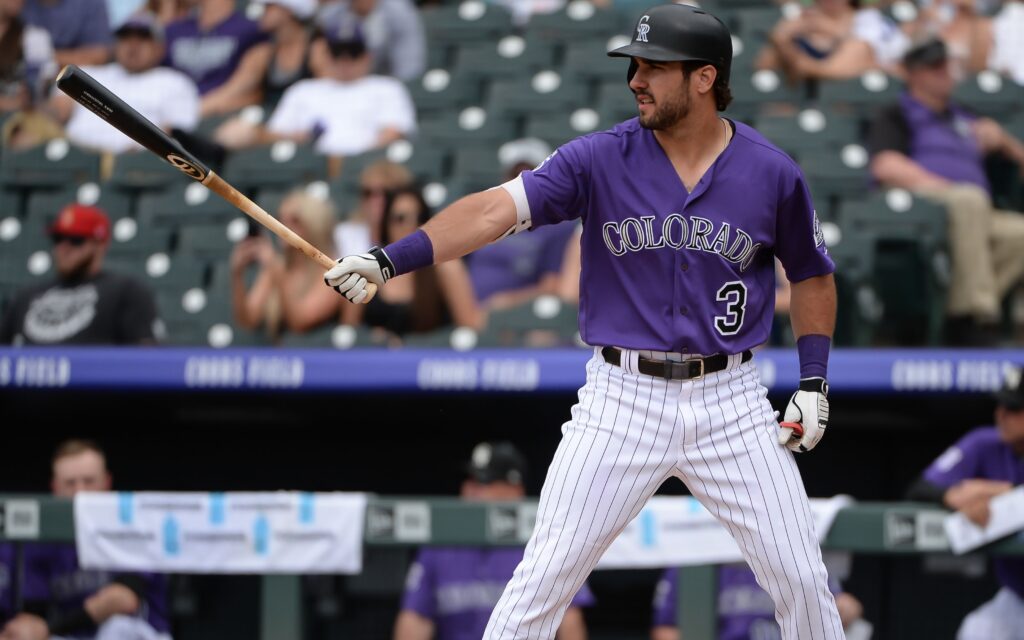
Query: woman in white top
(26, 58)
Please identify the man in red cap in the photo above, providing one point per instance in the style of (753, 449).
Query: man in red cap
(85, 305)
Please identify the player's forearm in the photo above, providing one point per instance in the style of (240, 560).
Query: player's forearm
(812, 306)
(470, 223)
(412, 626)
(114, 599)
(573, 626)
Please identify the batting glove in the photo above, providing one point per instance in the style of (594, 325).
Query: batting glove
(806, 416)
(352, 274)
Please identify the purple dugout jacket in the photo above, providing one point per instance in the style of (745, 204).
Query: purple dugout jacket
(457, 587)
(669, 270)
(981, 454)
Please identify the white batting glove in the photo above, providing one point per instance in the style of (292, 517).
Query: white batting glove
(806, 416)
(352, 274)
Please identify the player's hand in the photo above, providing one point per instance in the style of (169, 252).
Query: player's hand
(25, 626)
(806, 416)
(352, 274)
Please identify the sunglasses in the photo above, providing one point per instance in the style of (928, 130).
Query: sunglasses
(74, 241)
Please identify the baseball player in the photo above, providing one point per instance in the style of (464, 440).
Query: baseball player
(451, 591)
(986, 462)
(683, 213)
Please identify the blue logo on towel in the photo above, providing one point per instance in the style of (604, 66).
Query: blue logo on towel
(261, 536)
(125, 507)
(172, 544)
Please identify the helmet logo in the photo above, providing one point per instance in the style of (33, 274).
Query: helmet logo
(642, 28)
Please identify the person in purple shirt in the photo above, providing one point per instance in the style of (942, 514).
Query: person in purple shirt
(745, 610)
(208, 45)
(986, 462)
(929, 145)
(60, 599)
(79, 29)
(683, 214)
(509, 273)
(450, 591)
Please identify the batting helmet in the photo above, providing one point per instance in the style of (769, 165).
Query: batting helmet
(671, 32)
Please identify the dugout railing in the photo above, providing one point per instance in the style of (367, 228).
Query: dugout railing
(871, 528)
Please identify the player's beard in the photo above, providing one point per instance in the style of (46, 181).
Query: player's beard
(668, 112)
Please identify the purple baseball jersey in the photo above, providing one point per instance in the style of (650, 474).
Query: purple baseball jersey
(517, 261)
(52, 575)
(981, 454)
(670, 270)
(457, 587)
(7, 577)
(210, 57)
(745, 610)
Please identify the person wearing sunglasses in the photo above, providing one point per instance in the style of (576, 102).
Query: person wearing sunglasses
(84, 304)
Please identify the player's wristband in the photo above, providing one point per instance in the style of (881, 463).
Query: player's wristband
(813, 352)
(412, 252)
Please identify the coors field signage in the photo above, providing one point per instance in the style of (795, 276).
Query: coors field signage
(281, 532)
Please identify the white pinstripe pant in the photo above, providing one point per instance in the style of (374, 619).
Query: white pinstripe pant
(629, 433)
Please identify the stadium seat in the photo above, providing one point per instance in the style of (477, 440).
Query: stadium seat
(55, 164)
(991, 95)
(283, 163)
(911, 262)
(544, 321)
(133, 240)
(859, 95)
(544, 92)
(754, 90)
(859, 305)
(46, 202)
(577, 21)
(589, 59)
(442, 89)
(836, 175)
(810, 130)
(510, 57)
(557, 129)
(205, 241)
(144, 171)
(472, 125)
(615, 102)
(183, 204)
(164, 271)
(477, 164)
(465, 22)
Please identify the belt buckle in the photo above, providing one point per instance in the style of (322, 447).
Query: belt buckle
(699, 375)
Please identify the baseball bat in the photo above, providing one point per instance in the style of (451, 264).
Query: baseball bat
(92, 95)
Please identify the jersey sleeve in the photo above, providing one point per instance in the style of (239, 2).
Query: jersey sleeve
(959, 462)
(665, 599)
(799, 242)
(557, 189)
(420, 586)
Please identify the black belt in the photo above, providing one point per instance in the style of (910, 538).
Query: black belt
(685, 370)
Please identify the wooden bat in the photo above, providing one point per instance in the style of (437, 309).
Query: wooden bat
(85, 90)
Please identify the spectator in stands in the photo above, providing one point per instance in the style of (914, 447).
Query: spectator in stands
(362, 228)
(745, 610)
(79, 29)
(287, 294)
(84, 304)
(168, 11)
(7, 577)
(208, 45)
(393, 31)
(346, 113)
(164, 96)
(1007, 54)
(425, 300)
(265, 72)
(521, 10)
(833, 40)
(985, 463)
(966, 32)
(26, 58)
(525, 265)
(450, 591)
(62, 599)
(928, 145)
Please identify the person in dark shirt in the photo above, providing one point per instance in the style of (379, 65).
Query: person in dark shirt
(84, 304)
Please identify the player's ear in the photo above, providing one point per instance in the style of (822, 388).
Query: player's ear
(706, 77)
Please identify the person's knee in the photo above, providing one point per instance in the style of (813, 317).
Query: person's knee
(968, 198)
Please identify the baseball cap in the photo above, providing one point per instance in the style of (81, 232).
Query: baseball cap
(81, 221)
(497, 461)
(345, 36)
(925, 53)
(144, 23)
(1011, 395)
(301, 9)
(531, 151)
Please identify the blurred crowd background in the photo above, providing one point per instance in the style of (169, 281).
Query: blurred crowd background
(352, 121)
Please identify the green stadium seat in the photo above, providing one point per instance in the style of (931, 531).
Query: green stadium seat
(185, 203)
(544, 321)
(615, 102)
(24, 264)
(991, 95)
(754, 90)
(860, 95)
(911, 261)
(510, 57)
(754, 21)
(144, 171)
(545, 92)
(557, 129)
(163, 271)
(116, 204)
(836, 175)
(465, 22)
(577, 21)
(426, 162)
(589, 59)
(859, 306)
(810, 130)
(283, 163)
(132, 240)
(478, 164)
(472, 125)
(55, 164)
(205, 241)
(443, 89)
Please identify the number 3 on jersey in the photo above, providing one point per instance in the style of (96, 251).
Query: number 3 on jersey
(734, 294)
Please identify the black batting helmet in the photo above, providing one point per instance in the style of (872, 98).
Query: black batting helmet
(671, 32)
